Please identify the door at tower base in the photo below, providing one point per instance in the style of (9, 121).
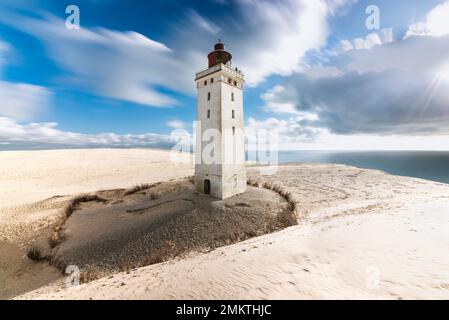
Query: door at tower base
(221, 187)
(220, 169)
(206, 186)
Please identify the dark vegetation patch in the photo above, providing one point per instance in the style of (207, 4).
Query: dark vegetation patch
(110, 231)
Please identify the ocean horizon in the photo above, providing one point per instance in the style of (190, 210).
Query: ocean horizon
(429, 165)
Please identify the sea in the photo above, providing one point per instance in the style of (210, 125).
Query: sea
(430, 165)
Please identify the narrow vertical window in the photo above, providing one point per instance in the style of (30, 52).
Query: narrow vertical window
(233, 131)
(208, 113)
(233, 114)
(212, 80)
(232, 96)
(208, 96)
(205, 82)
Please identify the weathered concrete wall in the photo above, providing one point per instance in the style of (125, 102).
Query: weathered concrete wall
(220, 148)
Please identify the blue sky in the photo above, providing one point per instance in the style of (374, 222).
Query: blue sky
(313, 70)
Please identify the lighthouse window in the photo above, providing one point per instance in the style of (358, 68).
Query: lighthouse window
(208, 96)
(233, 131)
(233, 114)
(232, 96)
(235, 83)
(229, 80)
(212, 80)
(208, 113)
(205, 82)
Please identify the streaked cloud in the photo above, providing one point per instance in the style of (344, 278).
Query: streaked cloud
(269, 38)
(274, 36)
(20, 101)
(121, 65)
(4, 49)
(23, 101)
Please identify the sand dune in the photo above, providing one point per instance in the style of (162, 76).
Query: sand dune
(362, 234)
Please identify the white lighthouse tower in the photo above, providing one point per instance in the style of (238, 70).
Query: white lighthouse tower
(220, 141)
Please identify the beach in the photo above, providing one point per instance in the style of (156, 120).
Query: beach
(361, 234)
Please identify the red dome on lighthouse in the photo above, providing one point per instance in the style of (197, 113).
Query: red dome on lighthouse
(219, 55)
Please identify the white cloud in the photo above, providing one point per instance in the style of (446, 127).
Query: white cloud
(436, 23)
(175, 124)
(12, 132)
(289, 131)
(373, 39)
(277, 107)
(22, 101)
(284, 106)
(319, 71)
(203, 23)
(133, 39)
(336, 7)
(4, 48)
(329, 141)
(414, 54)
(322, 139)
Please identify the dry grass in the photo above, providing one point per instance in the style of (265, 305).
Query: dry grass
(254, 182)
(91, 273)
(138, 188)
(75, 202)
(157, 256)
(35, 254)
(287, 217)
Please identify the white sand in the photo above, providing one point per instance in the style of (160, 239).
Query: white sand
(28, 177)
(363, 233)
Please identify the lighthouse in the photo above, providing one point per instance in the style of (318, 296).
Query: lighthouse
(220, 141)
